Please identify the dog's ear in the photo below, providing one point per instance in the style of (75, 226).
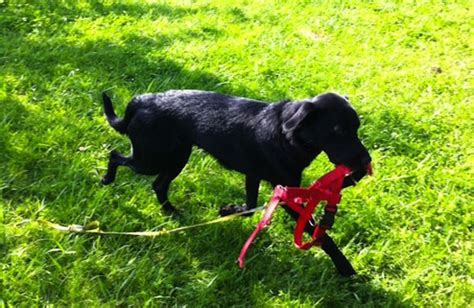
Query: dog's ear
(301, 113)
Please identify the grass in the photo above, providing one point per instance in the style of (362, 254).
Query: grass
(407, 68)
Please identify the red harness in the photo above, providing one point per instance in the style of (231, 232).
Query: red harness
(327, 188)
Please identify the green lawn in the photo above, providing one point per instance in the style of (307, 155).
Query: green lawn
(407, 230)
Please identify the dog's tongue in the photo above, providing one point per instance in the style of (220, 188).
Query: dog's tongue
(357, 175)
(369, 169)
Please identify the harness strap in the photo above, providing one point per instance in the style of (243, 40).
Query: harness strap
(267, 216)
(327, 188)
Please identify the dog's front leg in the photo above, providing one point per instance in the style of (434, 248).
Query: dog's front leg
(343, 266)
(251, 189)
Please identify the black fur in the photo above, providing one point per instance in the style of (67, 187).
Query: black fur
(271, 142)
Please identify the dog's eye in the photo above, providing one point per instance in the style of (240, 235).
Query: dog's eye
(338, 130)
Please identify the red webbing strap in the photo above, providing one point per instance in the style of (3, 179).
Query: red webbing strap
(277, 196)
(327, 188)
(304, 218)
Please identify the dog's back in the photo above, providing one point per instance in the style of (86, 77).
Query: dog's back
(225, 126)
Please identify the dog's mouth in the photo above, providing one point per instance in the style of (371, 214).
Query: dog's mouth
(357, 174)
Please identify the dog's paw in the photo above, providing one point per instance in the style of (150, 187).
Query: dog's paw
(233, 209)
(172, 211)
(106, 180)
(347, 272)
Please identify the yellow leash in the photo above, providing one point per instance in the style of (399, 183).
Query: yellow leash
(92, 228)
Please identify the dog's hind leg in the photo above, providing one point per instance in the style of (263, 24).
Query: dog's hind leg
(164, 179)
(116, 159)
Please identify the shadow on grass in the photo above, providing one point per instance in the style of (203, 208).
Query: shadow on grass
(54, 66)
(276, 269)
(54, 15)
(12, 120)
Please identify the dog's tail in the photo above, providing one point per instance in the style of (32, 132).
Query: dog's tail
(114, 121)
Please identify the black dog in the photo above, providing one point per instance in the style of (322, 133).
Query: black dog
(271, 142)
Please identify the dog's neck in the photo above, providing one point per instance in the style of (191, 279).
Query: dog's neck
(302, 152)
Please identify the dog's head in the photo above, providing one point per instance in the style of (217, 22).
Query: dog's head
(328, 123)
